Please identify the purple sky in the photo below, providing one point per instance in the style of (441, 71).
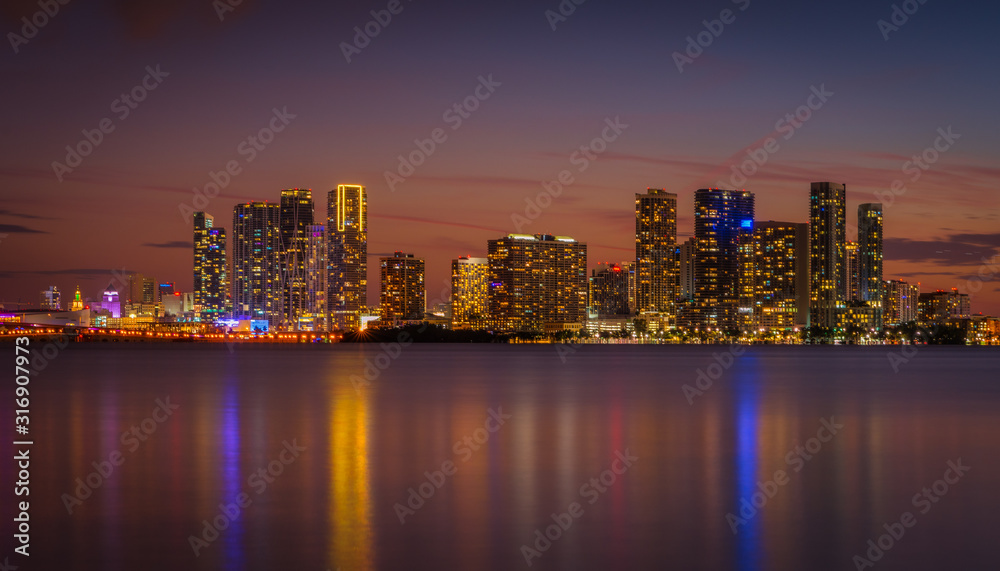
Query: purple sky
(607, 60)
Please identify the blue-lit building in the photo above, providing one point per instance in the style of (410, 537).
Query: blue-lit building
(723, 260)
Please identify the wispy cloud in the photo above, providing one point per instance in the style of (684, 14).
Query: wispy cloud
(18, 229)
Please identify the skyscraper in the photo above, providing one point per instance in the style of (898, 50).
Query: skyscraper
(50, 299)
(609, 290)
(211, 276)
(723, 231)
(870, 257)
(256, 269)
(295, 217)
(347, 235)
(827, 203)
(537, 282)
(852, 272)
(687, 251)
(317, 273)
(470, 286)
(657, 265)
(402, 288)
(782, 274)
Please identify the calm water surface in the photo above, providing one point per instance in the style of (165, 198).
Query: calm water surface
(337, 501)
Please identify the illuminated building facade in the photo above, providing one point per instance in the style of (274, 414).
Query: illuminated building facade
(50, 299)
(211, 276)
(781, 270)
(723, 284)
(657, 264)
(941, 305)
(77, 303)
(870, 282)
(687, 252)
(256, 272)
(537, 282)
(852, 272)
(314, 316)
(470, 286)
(609, 290)
(295, 217)
(899, 303)
(140, 296)
(827, 237)
(347, 235)
(402, 287)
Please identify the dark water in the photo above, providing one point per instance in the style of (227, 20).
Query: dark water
(333, 502)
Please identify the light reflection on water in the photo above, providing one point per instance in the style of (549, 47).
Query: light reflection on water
(334, 505)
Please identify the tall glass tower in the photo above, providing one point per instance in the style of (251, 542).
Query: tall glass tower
(828, 246)
(295, 218)
(871, 287)
(347, 236)
(723, 261)
(656, 254)
(256, 269)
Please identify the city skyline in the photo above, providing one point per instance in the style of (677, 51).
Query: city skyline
(683, 133)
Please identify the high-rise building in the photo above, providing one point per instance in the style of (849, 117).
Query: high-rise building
(852, 272)
(723, 231)
(470, 286)
(296, 215)
(139, 296)
(50, 299)
(211, 276)
(827, 237)
(315, 317)
(256, 281)
(347, 235)
(781, 298)
(537, 282)
(941, 305)
(687, 252)
(900, 302)
(402, 287)
(609, 295)
(657, 265)
(870, 281)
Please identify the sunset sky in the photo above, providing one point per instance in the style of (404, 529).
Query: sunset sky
(606, 60)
